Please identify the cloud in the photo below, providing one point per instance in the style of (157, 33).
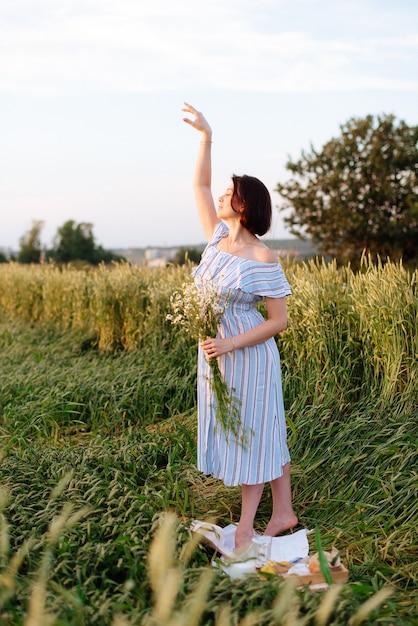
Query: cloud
(155, 45)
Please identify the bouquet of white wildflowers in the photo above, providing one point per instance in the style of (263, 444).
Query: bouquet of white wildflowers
(198, 309)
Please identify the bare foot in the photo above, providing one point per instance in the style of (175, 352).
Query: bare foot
(243, 537)
(280, 525)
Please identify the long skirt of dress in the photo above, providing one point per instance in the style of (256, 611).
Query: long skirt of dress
(253, 376)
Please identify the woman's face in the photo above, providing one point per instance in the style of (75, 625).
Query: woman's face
(224, 203)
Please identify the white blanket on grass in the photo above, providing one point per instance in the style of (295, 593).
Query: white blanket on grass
(290, 547)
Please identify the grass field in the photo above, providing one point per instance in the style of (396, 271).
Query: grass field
(98, 444)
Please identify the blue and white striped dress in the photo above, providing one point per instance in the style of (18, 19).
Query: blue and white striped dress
(253, 373)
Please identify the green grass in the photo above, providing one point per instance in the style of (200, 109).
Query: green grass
(107, 414)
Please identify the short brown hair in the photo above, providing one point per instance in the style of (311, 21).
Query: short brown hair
(254, 197)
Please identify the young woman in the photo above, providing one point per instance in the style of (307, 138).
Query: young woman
(239, 264)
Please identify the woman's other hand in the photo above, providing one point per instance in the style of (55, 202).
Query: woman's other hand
(199, 122)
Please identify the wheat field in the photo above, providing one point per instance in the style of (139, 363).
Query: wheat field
(98, 446)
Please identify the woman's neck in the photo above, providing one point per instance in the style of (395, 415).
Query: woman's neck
(239, 235)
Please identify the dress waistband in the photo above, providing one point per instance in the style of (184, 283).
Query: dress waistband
(241, 306)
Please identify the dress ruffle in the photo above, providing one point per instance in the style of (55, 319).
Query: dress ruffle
(254, 277)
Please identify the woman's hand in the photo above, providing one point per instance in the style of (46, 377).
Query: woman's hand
(199, 122)
(216, 346)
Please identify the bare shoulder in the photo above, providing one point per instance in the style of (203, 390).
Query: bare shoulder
(265, 254)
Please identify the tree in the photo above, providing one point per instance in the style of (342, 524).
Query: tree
(359, 193)
(75, 242)
(30, 250)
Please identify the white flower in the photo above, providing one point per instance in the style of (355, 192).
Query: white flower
(198, 309)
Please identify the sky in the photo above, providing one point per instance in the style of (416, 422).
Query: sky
(91, 93)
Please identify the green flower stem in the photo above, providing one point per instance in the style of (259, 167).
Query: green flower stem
(227, 407)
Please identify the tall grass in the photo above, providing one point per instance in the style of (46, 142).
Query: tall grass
(122, 307)
(97, 396)
(364, 320)
(352, 335)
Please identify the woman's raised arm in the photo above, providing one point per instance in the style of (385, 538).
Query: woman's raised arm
(203, 172)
